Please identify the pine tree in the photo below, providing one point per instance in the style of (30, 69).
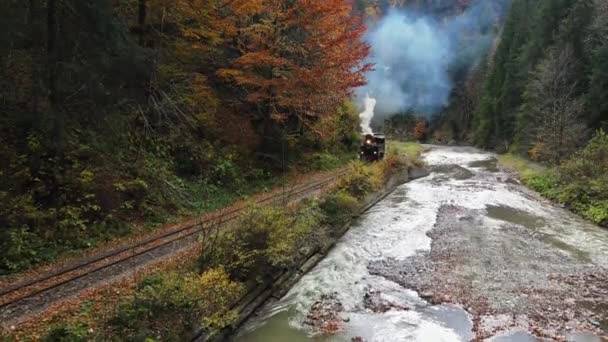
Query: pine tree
(531, 29)
(494, 120)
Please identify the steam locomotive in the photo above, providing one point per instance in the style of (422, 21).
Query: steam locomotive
(372, 148)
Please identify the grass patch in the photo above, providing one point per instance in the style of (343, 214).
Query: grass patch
(409, 150)
(525, 168)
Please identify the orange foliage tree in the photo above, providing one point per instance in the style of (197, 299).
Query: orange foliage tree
(420, 130)
(296, 60)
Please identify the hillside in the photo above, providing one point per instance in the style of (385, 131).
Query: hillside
(542, 95)
(123, 113)
(303, 170)
(548, 53)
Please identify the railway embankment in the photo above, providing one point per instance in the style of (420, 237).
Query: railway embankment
(209, 274)
(282, 282)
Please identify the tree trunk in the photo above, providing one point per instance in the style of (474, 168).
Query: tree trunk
(33, 12)
(35, 41)
(142, 21)
(52, 61)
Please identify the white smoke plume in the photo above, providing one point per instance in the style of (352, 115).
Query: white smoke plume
(368, 114)
(419, 55)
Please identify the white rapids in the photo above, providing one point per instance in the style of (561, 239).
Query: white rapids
(396, 228)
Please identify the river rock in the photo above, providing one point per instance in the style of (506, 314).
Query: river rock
(324, 315)
(426, 295)
(373, 301)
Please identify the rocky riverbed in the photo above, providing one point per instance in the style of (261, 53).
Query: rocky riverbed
(505, 277)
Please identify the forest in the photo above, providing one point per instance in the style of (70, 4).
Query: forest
(541, 94)
(542, 89)
(122, 116)
(117, 114)
(123, 113)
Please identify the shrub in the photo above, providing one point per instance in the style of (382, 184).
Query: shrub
(589, 166)
(397, 159)
(322, 161)
(135, 191)
(263, 240)
(544, 182)
(597, 211)
(170, 305)
(287, 241)
(361, 179)
(584, 179)
(580, 182)
(339, 207)
(66, 333)
(19, 248)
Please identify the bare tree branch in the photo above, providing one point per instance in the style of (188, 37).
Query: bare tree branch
(555, 107)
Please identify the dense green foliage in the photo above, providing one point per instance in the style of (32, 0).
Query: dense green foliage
(546, 80)
(171, 306)
(580, 182)
(113, 113)
(264, 240)
(545, 92)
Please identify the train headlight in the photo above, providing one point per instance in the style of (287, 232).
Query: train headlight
(369, 142)
(375, 152)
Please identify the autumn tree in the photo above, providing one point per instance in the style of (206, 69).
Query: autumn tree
(552, 102)
(297, 61)
(420, 130)
(113, 111)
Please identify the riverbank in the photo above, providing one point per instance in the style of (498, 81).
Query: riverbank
(357, 191)
(574, 184)
(578, 182)
(169, 303)
(275, 290)
(508, 277)
(466, 253)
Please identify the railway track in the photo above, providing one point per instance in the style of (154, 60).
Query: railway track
(34, 295)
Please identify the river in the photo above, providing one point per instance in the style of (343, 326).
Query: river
(418, 265)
